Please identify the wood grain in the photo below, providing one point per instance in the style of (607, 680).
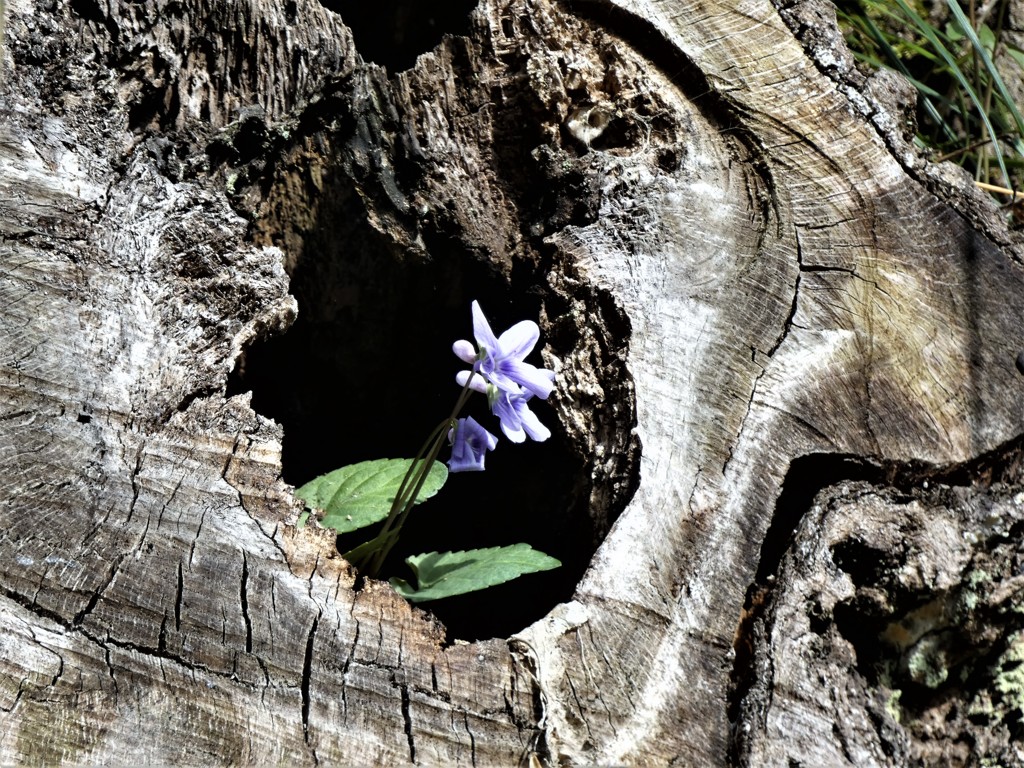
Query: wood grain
(752, 290)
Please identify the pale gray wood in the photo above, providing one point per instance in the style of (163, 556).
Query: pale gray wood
(793, 281)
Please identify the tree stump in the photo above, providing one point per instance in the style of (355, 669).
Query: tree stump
(785, 475)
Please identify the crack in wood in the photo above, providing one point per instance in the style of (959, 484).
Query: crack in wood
(594, 680)
(472, 738)
(54, 679)
(524, 661)
(161, 641)
(787, 324)
(17, 698)
(110, 670)
(178, 596)
(579, 704)
(94, 599)
(406, 716)
(230, 457)
(348, 663)
(170, 499)
(35, 609)
(307, 672)
(107, 643)
(203, 391)
(244, 601)
(134, 479)
(97, 526)
(797, 419)
(195, 540)
(266, 673)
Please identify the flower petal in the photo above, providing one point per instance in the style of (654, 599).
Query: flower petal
(478, 385)
(517, 342)
(539, 381)
(513, 433)
(470, 443)
(504, 408)
(531, 424)
(465, 351)
(503, 382)
(482, 332)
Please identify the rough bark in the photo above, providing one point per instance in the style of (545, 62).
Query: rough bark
(785, 473)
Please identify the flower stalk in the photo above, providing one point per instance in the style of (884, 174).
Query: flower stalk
(373, 553)
(498, 371)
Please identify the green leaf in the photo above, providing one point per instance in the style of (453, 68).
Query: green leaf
(446, 574)
(987, 38)
(1016, 54)
(359, 495)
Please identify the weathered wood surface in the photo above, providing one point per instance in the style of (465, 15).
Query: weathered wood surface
(733, 244)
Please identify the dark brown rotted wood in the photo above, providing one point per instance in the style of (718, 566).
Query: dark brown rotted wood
(753, 291)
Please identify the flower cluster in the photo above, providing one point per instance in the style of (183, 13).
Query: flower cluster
(509, 383)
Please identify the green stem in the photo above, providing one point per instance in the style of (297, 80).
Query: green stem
(409, 490)
(391, 538)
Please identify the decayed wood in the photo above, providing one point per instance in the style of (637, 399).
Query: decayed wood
(919, 591)
(736, 251)
(158, 608)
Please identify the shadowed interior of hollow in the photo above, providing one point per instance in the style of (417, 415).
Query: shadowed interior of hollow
(393, 33)
(367, 371)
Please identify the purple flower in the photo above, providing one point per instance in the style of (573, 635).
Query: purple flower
(517, 420)
(500, 359)
(470, 443)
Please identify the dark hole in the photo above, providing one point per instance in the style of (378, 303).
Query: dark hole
(84, 418)
(367, 372)
(145, 109)
(88, 9)
(859, 624)
(1015, 723)
(979, 718)
(250, 139)
(806, 477)
(668, 159)
(393, 33)
(865, 564)
(818, 617)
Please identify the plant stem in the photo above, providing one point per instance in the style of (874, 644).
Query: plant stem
(410, 488)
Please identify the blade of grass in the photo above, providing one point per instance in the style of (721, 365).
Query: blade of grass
(897, 63)
(997, 79)
(954, 69)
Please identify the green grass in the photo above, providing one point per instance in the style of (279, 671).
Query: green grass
(956, 57)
